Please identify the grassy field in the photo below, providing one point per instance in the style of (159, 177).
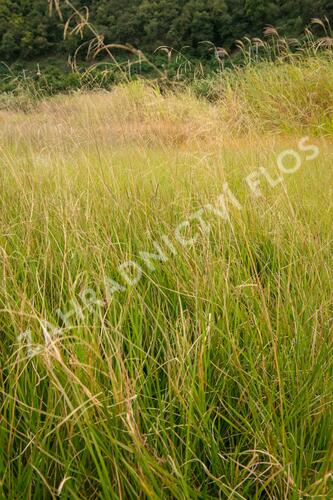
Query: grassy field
(166, 291)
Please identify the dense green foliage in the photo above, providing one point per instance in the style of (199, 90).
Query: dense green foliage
(27, 30)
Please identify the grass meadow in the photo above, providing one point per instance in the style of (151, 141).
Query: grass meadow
(203, 369)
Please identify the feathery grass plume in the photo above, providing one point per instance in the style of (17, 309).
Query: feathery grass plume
(271, 31)
(167, 50)
(185, 67)
(78, 22)
(220, 55)
(258, 42)
(319, 22)
(326, 42)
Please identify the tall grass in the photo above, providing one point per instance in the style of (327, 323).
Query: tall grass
(212, 377)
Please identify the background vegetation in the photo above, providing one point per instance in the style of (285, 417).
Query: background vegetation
(28, 31)
(187, 37)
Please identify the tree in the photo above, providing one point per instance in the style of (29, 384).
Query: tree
(27, 30)
(203, 20)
